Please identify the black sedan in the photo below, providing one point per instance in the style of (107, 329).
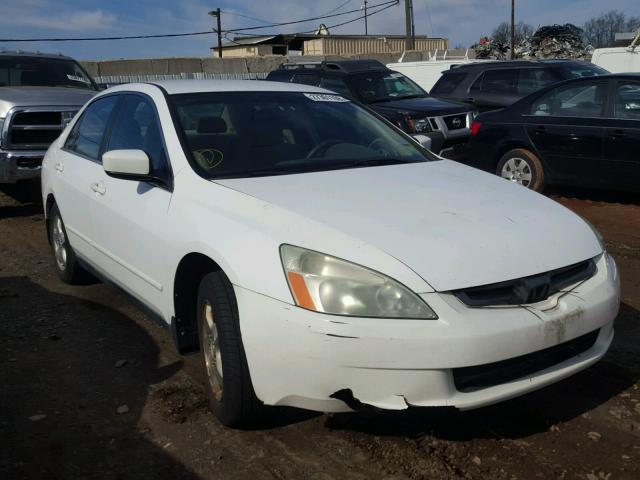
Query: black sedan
(582, 132)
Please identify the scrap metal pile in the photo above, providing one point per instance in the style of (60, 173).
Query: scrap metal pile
(552, 41)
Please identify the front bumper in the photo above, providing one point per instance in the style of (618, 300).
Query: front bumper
(16, 165)
(301, 358)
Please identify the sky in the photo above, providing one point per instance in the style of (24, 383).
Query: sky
(463, 22)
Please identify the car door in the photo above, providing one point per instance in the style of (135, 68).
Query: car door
(494, 89)
(621, 161)
(76, 167)
(566, 127)
(131, 215)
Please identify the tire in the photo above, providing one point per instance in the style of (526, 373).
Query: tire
(523, 167)
(64, 258)
(229, 389)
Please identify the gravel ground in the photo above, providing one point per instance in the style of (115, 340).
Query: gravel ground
(92, 388)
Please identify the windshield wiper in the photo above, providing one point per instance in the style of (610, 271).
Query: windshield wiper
(372, 162)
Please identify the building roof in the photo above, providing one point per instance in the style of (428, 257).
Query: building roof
(282, 38)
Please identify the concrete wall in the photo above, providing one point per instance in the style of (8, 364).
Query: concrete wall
(177, 65)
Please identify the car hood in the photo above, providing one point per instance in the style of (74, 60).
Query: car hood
(455, 226)
(423, 106)
(42, 96)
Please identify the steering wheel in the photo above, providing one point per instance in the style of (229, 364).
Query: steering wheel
(322, 148)
(378, 146)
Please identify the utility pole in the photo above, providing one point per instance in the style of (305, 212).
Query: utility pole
(366, 29)
(216, 13)
(513, 29)
(409, 43)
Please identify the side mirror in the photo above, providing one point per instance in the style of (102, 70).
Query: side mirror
(126, 164)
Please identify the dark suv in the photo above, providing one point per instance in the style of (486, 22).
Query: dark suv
(492, 85)
(437, 124)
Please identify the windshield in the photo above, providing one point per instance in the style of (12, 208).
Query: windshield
(385, 86)
(23, 71)
(580, 71)
(248, 134)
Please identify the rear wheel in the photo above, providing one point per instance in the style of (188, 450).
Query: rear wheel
(66, 262)
(229, 389)
(523, 167)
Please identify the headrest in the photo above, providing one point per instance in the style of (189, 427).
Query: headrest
(212, 125)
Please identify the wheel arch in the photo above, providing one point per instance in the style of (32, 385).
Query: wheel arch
(49, 203)
(189, 273)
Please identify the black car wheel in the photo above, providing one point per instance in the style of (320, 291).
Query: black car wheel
(523, 167)
(229, 388)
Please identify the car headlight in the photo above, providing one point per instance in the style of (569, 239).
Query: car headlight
(419, 125)
(323, 283)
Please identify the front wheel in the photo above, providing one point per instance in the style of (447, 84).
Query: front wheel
(66, 263)
(229, 388)
(524, 167)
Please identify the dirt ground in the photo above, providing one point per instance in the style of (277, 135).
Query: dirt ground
(72, 358)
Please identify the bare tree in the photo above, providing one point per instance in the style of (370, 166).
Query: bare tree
(502, 33)
(600, 31)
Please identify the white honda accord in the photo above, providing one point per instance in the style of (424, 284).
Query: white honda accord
(317, 256)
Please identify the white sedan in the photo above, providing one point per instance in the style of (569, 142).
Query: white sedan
(317, 256)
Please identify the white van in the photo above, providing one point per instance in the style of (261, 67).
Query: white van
(617, 59)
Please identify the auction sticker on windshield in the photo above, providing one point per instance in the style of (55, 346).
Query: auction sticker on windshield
(323, 97)
(77, 79)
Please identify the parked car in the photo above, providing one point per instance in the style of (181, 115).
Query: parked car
(579, 132)
(617, 59)
(319, 257)
(390, 94)
(427, 72)
(39, 95)
(493, 85)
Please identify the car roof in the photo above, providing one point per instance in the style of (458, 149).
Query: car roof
(173, 87)
(340, 67)
(23, 53)
(512, 64)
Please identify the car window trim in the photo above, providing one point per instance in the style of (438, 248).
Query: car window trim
(165, 183)
(78, 122)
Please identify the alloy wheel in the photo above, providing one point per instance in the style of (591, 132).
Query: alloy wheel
(517, 170)
(212, 353)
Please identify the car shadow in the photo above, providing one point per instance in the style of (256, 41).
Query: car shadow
(66, 367)
(26, 200)
(533, 413)
(595, 195)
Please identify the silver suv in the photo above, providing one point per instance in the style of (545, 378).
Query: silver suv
(39, 95)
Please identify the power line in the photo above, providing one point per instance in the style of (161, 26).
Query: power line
(387, 4)
(338, 7)
(90, 39)
(321, 17)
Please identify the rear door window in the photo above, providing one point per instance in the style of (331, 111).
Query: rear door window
(499, 81)
(586, 99)
(305, 79)
(86, 137)
(335, 84)
(448, 83)
(628, 101)
(533, 79)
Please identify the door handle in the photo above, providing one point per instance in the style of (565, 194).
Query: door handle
(617, 134)
(59, 167)
(540, 129)
(99, 188)
(470, 100)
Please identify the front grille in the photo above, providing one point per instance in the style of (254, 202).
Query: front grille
(33, 137)
(456, 122)
(535, 288)
(37, 118)
(35, 129)
(469, 379)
